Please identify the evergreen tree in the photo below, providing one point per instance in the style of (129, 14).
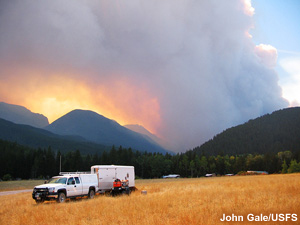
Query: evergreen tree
(294, 167)
(197, 165)
(203, 166)
(284, 167)
(192, 167)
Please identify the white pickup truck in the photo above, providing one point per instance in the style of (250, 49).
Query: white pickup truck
(69, 185)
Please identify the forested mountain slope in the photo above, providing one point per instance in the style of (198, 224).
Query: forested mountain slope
(39, 138)
(279, 131)
(99, 129)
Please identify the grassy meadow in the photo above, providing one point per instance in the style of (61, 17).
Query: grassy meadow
(19, 185)
(168, 201)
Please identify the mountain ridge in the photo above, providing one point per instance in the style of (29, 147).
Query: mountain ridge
(21, 115)
(275, 132)
(142, 130)
(40, 138)
(108, 134)
(99, 129)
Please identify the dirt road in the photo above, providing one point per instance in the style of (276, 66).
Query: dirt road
(14, 192)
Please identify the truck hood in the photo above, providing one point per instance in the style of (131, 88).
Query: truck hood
(48, 185)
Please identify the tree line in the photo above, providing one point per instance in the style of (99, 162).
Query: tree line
(18, 161)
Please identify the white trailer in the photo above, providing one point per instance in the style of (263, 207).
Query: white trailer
(107, 174)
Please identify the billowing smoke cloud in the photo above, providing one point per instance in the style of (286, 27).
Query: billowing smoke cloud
(267, 55)
(291, 83)
(184, 69)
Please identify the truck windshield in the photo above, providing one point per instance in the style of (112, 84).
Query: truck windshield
(60, 180)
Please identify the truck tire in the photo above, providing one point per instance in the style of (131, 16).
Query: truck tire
(39, 201)
(61, 197)
(91, 194)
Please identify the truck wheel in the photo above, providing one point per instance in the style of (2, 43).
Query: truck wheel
(39, 201)
(91, 194)
(61, 197)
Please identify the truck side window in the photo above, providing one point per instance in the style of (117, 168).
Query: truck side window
(77, 180)
(70, 180)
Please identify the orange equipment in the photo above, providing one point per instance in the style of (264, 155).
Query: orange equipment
(117, 183)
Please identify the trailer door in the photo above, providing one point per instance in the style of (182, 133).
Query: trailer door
(106, 178)
(126, 173)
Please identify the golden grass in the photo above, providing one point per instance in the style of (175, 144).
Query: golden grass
(174, 201)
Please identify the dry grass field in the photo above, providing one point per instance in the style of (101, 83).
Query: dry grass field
(173, 201)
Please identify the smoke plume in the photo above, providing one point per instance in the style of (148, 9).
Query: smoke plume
(185, 70)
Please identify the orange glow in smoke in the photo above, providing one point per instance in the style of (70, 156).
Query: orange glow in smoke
(57, 94)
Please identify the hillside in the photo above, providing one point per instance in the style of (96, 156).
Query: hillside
(34, 137)
(21, 115)
(140, 129)
(99, 129)
(279, 131)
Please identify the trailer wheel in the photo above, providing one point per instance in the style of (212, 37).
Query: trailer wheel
(91, 194)
(61, 197)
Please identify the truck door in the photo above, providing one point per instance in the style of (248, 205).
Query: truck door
(73, 188)
(106, 178)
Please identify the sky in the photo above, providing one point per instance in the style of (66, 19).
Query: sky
(277, 24)
(185, 70)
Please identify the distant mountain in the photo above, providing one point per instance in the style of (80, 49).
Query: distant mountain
(271, 133)
(140, 129)
(40, 138)
(99, 129)
(21, 115)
